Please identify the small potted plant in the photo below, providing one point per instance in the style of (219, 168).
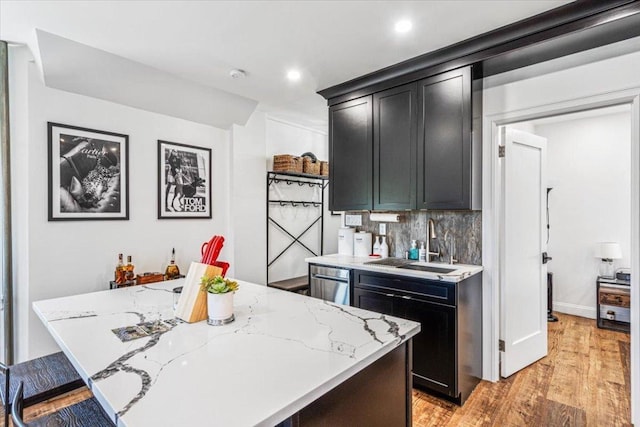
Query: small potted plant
(219, 299)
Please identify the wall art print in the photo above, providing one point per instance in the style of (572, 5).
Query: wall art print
(184, 181)
(88, 174)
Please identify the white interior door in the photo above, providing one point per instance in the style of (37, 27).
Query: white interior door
(523, 276)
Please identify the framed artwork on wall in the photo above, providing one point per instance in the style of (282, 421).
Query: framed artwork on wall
(88, 174)
(184, 181)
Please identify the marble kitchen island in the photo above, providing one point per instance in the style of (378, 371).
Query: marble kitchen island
(286, 359)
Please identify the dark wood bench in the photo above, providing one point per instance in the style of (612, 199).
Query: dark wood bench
(43, 378)
(296, 284)
(87, 413)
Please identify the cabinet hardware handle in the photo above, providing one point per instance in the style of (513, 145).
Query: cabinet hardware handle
(390, 295)
(406, 297)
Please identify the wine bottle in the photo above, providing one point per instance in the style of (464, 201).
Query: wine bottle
(119, 271)
(172, 271)
(129, 275)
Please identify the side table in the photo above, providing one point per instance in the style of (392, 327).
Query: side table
(614, 304)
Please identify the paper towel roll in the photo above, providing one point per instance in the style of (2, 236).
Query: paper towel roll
(362, 244)
(384, 217)
(345, 240)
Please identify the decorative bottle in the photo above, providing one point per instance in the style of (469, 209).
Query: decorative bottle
(384, 248)
(422, 254)
(129, 274)
(119, 271)
(172, 271)
(376, 246)
(413, 252)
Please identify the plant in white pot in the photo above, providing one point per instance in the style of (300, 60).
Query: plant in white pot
(219, 299)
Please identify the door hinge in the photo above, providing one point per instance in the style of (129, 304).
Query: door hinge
(501, 345)
(500, 150)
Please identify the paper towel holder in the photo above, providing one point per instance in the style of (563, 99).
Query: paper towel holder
(384, 217)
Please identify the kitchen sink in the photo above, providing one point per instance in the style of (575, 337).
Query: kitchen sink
(391, 262)
(410, 264)
(427, 268)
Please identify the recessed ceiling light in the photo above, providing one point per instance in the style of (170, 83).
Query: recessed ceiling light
(293, 75)
(403, 26)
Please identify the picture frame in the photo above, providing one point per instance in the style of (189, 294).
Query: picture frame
(88, 174)
(184, 181)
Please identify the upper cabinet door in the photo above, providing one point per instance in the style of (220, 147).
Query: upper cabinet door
(444, 141)
(395, 114)
(350, 155)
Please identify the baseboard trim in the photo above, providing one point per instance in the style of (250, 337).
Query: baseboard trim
(574, 309)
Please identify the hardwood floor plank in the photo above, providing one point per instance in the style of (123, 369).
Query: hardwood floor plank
(557, 415)
(583, 381)
(571, 364)
(526, 397)
(483, 405)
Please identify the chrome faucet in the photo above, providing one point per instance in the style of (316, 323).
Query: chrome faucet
(431, 234)
(452, 248)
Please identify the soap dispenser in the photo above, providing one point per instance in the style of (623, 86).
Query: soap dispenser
(422, 256)
(384, 248)
(413, 252)
(376, 246)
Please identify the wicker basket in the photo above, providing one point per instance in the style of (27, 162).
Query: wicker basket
(324, 168)
(287, 163)
(310, 167)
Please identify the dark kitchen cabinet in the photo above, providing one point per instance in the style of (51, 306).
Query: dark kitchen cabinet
(350, 155)
(435, 367)
(394, 145)
(444, 157)
(414, 146)
(447, 353)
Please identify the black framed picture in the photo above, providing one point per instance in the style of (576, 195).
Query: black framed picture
(88, 174)
(184, 181)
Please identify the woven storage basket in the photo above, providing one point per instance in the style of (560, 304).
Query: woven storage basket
(287, 163)
(310, 167)
(324, 168)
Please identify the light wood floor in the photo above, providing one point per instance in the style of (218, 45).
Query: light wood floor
(584, 381)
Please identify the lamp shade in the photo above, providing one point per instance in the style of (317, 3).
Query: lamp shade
(609, 250)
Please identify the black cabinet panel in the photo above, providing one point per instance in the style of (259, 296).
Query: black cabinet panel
(394, 147)
(374, 301)
(351, 155)
(434, 348)
(444, 141)
(447, 352)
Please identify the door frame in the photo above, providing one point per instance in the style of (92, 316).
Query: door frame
(491, 190)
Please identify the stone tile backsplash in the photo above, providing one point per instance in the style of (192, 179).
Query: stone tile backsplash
(459, 232)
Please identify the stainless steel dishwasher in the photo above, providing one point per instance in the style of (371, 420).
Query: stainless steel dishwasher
(330, 283)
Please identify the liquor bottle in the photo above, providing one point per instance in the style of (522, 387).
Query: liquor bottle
(129, 275)
(120, 272)
(172, 271)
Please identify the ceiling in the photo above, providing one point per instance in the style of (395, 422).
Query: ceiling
(202, 41)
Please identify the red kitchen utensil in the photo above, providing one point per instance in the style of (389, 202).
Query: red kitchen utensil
(211, 249)
(223, 265)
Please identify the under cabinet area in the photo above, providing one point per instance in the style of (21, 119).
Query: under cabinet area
(411, 146)
(447, 353)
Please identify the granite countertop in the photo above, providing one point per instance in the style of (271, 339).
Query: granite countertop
(460, 272)
(283, 351)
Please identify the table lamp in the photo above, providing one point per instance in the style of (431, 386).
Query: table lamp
(607, 252)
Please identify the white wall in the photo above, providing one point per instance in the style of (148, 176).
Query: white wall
(249, 161)
(253, 148)
(66, 258)
(589, 168)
